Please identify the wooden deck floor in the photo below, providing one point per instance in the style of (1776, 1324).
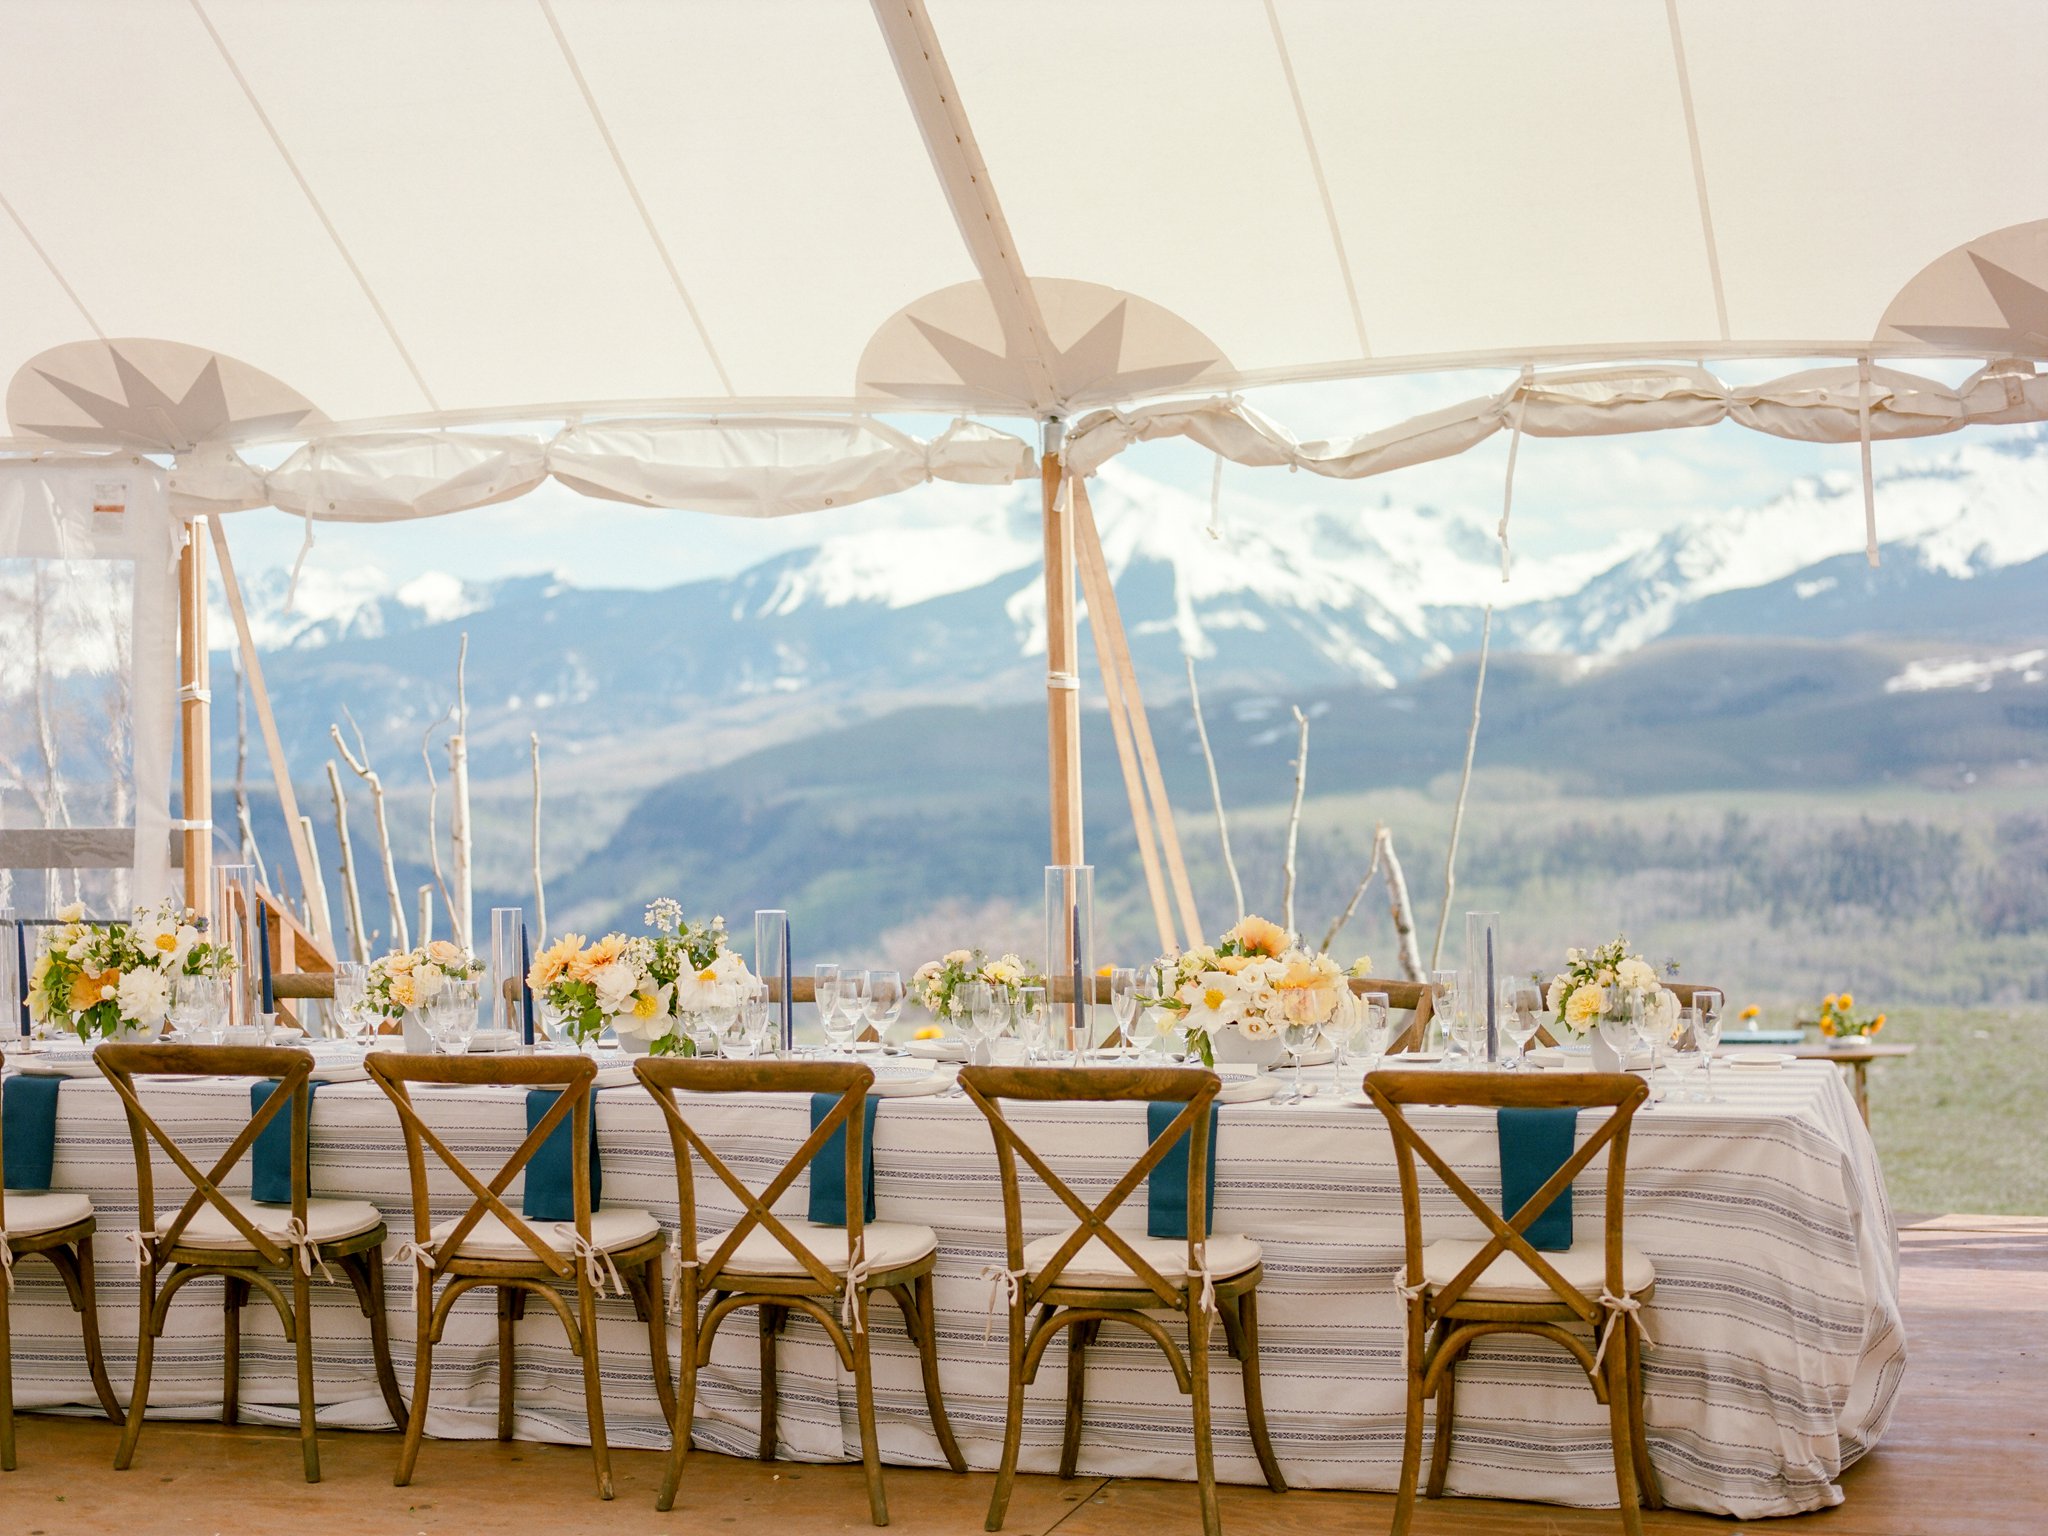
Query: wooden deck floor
(1967, 1455)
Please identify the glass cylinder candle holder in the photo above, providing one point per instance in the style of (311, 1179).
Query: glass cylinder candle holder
(771, 965)
(235, 923)
(507, 974)
(1070, 952)
(1485, 965)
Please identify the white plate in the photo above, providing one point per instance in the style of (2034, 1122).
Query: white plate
(488, 1040)
(937, 1050)
(1247, 1090)
(42, 1065)
(1321, 1056)
(1758, 1061)
(911, 1087)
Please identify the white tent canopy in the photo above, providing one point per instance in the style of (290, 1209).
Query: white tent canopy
(361, 222)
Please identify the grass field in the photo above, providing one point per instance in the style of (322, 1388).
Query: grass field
(1962, 1125)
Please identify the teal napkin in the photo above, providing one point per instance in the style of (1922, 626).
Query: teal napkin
(270, 1160)
(28, 1127)
(1166, 1188)
(1737, 1038)
(828, 1165)
(1534, 1144)
(551, 1172)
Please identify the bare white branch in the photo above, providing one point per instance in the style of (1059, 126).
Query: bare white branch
(460, 842)
(1464, 786)
(351, 898)
(359, 764)
(1215, 790)
(1294, 823)
(540, 895)
(1337, 923)
(1398, 906)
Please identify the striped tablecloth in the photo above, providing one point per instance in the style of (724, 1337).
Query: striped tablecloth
(1778, 1344)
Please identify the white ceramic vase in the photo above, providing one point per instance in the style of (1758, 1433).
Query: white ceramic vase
(1232, 1046)
(1605, 1058)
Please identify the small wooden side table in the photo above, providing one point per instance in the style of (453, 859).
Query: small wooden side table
(1855, 1057)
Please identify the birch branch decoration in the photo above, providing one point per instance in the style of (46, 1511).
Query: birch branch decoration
(1294, 824)
(426, 914)
(1337, 923)
(433, 805)
(459, 839)
(359, 764)
(319, 918)
(351, 898)
(1436, 950)
(1398, 906)
(1215, 790)
(540, 895)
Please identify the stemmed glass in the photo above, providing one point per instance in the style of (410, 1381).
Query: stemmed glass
(975, 1007)
(351, 999)
(1030, 1008)
(1296, 1036)
(199, 1008)
(1443, 986)
(1123, 1002)
(1376, 1015)
(825, 993)
(1342, 1025)
(1683, 1053)
(1617, 1024)
(451, 1016)
(884, 1001)
(1521, 1015)
(1708, 1005)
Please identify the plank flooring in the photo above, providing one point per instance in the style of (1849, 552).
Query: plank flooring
(1967, 1455)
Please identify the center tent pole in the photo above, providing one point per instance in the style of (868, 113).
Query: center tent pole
(1062, 646)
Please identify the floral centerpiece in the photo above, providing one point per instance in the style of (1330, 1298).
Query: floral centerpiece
(642, 987)
(407, 979)
(1230, 1000)
(1578, 994)
(936, 984)
(1838, 1020)
(108, 981)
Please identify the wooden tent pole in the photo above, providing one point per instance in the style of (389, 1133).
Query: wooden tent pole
(1094, 587)
(1089, 542)
(1062, 640)
(195, 709)
(287, 801)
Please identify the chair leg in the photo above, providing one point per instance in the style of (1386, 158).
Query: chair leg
(1205, 1454)
(145, 1357)
(770, 1321)
(1646, 1475)
(686, 1397)
(923, 1294)
(302, 1341)
(1616, 1367)
(645, 1284)
(1078, 1339)
(506, 1385)
(864, 1400)
(1247, 1315)
(422, 1373)
(1446, 1416)
(1013, 1425)
(1411, 1435)
(89, 1325)
(6, 1384)
(370, 1266)
(593, 1389)
(234, 1297)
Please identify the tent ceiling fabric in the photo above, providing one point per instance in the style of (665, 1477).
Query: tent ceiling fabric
(390, 217)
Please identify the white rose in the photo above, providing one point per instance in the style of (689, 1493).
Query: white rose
(145, 995)
(427, 981)
(613, 983)
(1634, 975)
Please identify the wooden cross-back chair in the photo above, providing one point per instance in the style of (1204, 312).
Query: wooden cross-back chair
(1458, 1291)
(492, 1244)
(56, 1225)
(232, 1236)
(1091, 1274)
(780, 1265)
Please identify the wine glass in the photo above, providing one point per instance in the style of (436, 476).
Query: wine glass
(1708, 1007)
(842, 1021)
(451, 1016)
(1123, 1002)
(1376, 1016)
(974, 1011)
(1296, 1036)
(351, 999)
(1343, 1025)
(884, 1001)
(1031, 1021)
(1521, 1015)
(1443, 987)
(1617, 1024)
(825, 994)
(1682, 1053)
(199, 1007)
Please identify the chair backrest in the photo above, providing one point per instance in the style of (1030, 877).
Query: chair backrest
(572, 1076)
(1619, 1092)
(123, 1064)
(1412, 996)
(1193, 1090)
(663, 1076)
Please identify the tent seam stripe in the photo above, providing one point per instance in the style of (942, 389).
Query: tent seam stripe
(1315, 163)
(313, 201)
(62, 282)
(639, 204)
(1699, 167)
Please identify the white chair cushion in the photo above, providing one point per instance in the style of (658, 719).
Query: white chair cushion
(1508, 1278)
(29, 1214)
(886, 1245)
(611, 1228)
(327, 1221)
(1098, 1267)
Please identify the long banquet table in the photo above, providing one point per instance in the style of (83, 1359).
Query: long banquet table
(1778, 1349)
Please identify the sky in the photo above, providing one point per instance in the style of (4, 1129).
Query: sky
(1571, 495)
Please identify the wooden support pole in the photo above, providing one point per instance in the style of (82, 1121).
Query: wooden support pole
(195, 711)
(1062, 681)
(280, 772)
(1089, 543)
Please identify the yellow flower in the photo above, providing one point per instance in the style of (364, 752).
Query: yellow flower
(1585, 1004)
(1827, 1023)
(602, 953)
(87, 989)
(1104, 970)
(549, 964)
(1750, 1012)
(1258, 936)
(1232, 964)
(1827, 1004)
(1877, 1023)
(929, 1032)
(401, 991)
(1843, 1003)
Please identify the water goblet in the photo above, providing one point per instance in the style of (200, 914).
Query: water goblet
(1521, 1015)
(1708, 1007)
(1444, 1001)
(1682, 1054)
(1617, 1024)
(825, 990)
(1031, 1022)
(1123, 1002)
(839, 1019)
(974, 1012)
(1376, 1016)
(199, 1007)
(1296, 1037)
(882, 1005)
(1343, 1025)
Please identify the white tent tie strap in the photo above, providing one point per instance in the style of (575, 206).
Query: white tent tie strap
(305, 1249)
(1623, 1311)
(1507, 495)
(851, 1314)
(677, 1264)
(291, 590)
(7, 1263)
(1863, 435)
(597, 1263)
(1008, 1284)
(143, 1240)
